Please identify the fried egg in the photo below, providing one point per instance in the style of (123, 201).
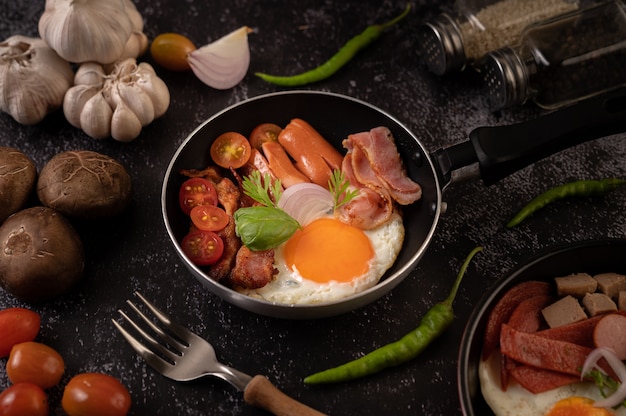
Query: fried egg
(328, 260)
(572, 400)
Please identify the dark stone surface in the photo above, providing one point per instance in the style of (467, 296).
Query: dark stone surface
(133, 252)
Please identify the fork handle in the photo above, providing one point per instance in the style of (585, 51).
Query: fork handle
(260, 392)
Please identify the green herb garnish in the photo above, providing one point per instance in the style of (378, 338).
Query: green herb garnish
(259, 189)
(604, 383)
(267, 226)
(338, 186)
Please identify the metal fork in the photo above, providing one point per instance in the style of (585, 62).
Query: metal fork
(181, 355)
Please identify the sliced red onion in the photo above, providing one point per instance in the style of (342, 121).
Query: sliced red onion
(616, 365)
(306, 202)
(223, 63)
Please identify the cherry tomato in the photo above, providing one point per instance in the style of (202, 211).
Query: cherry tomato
(33, 362)
(170, 51)
(23, 399)
(194, 192)
(203, 247)
(95, 394)
(209, 218)
(17, 325)
(231, 150)
(266, 132)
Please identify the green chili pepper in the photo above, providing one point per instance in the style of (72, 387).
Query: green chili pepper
(347, 52)
(571, 189)
(433, 324)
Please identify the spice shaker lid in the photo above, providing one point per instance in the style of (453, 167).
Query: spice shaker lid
(506, 78)
(442, 45)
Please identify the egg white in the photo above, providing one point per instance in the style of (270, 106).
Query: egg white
(288, 287)
(518, 401)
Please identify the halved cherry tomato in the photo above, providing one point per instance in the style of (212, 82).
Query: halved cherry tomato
(194, 192)
(17, 325)
(170, 51)
(209, 218)
(24, 399)
(95, 394)
(231, 150)
(266, 132)
(33, 362)
(203, 247)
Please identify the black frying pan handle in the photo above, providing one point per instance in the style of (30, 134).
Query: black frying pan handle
(503, 150)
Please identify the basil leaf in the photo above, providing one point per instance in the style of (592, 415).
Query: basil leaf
(262, 228)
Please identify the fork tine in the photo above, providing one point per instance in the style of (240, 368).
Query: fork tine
(150, 357)
(183, 333)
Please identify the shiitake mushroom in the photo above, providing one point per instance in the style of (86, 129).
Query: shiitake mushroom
(18, 175)
(84, 184)
(41, 255)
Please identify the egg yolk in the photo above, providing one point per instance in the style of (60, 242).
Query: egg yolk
(577, 406)
(327, 250)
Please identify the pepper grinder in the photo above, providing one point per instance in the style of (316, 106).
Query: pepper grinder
(450, 42)
(562, 60)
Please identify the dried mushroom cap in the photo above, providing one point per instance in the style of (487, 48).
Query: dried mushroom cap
(41, 255)
(18, 175)
(85, 184)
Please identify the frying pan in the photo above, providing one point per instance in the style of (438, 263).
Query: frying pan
(497, 151)
(593, 257)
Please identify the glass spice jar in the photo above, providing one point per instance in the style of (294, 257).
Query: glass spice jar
(562, 60)
(451, 42)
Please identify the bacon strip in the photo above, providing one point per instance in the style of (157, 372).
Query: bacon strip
(379, 148)
(531, 349)
(253, 269)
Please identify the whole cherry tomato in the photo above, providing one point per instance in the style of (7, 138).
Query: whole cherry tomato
(194, 192)
(170, 51)
(17, 325)
(230, 150)
(24, 399)
(209, 218)
(95, 394)
(203, 247)
(33, 362)
(265, 132)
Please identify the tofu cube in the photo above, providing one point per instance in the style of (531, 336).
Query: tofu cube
(577, 285)
(611, 283)
(564, 311)
(598, 303)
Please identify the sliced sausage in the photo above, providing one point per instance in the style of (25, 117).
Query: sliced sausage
(503, 309)
(610, 332)
(281, 165)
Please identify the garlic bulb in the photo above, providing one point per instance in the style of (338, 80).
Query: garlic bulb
(33, 79)
(91, 30)
(115, 103)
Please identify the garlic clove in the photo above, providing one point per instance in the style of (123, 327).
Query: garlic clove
(33, 79)
(223, 63)
(136, 46)
(86, 30)
(125, 126)
(90, 73)
(75, 100)
(155, 87)
(95, 117)
(138, 101)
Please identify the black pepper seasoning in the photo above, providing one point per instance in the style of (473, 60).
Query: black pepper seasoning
(453, 41)
(562, 60)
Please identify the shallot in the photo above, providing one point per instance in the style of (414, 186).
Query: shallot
(306, 202)
(224, 63)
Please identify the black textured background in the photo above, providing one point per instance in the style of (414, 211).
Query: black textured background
(133, 252)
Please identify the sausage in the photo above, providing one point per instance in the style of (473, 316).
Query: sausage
(538, 380)
(610, 332)
(580, 332)
(281, 165)
(314, 156)
(503, 309)
(527, 316)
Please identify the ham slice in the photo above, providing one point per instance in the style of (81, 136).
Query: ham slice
(379, 148)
